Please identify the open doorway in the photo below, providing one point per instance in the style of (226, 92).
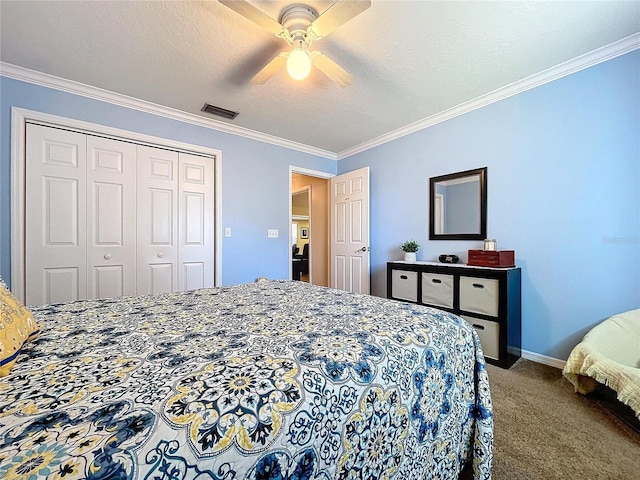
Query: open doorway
(309, 227)
(300, 232)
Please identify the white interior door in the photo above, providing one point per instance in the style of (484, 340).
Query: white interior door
(157, 225)
(349, 230)
(111, 219)
(55, 207)
(196, 240)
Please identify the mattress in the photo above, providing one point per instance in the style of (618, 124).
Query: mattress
(270, 380)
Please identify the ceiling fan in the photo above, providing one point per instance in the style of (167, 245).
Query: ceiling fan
(300, 26)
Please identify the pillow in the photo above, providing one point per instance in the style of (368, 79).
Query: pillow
(17, 327)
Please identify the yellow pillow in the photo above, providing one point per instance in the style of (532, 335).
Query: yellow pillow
(17, 327)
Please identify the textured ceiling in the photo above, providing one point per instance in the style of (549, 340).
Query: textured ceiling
(409, 59)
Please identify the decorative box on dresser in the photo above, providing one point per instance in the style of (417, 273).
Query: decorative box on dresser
(488, 298)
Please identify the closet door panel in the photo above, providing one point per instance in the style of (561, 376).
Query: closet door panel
(194, 275)
(111, 218)
(157, 225)
(60, 284)
(161, 277)
(193, 219)
(161, 217)
(196, 221)
(55, 224)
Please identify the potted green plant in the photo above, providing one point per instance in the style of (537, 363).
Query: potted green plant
(410, 247)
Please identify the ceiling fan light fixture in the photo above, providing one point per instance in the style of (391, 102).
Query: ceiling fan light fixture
(299, 26)
(299, 62)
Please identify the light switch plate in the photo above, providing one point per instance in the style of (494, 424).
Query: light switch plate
(272, 233)
(227, 232)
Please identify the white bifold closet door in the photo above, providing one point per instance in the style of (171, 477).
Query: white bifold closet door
(55, 216)
(195, 222)
(111, 218)
(106, 218)
(157, 220)
(175, 221)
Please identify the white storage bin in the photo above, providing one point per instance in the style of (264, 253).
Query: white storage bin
(489, 333)
(404, 285)
(437, 289)
(479, 295)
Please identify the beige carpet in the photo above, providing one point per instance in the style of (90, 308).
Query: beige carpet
(543, 430)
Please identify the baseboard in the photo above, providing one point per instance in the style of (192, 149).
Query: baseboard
(536, 357)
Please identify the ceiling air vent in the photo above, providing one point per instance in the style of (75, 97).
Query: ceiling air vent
(219, 111)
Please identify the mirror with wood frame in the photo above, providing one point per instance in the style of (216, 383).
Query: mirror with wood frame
(458, 206)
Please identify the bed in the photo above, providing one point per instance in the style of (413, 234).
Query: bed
(609, 354)
(269, 380)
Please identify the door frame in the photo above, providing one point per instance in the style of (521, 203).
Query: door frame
(19, 119)
(438, 212)
(311, 173)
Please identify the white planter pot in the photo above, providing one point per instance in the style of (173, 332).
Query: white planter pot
(409, 256)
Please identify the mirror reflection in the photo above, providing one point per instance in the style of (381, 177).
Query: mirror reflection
(458, 206)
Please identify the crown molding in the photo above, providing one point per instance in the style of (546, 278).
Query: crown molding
(582, 62)
(43, 79)
(608, 52)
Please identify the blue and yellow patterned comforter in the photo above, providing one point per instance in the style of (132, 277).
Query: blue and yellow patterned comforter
(272, 380)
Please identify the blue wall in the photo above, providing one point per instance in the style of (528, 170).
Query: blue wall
(255, 176)
(563, 191)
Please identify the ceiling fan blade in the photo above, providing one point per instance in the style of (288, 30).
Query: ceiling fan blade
(337, 14)
(270, 68)
(257, 16)
(331, 69)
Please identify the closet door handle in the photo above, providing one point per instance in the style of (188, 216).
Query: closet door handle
(160, 255)
(107, 256)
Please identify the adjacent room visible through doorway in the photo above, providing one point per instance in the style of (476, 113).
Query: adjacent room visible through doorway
(309, 244)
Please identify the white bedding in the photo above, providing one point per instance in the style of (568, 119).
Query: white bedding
(609, 354)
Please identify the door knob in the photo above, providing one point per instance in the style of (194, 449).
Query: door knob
(160, 255)
(363, 249)
(107, 256)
